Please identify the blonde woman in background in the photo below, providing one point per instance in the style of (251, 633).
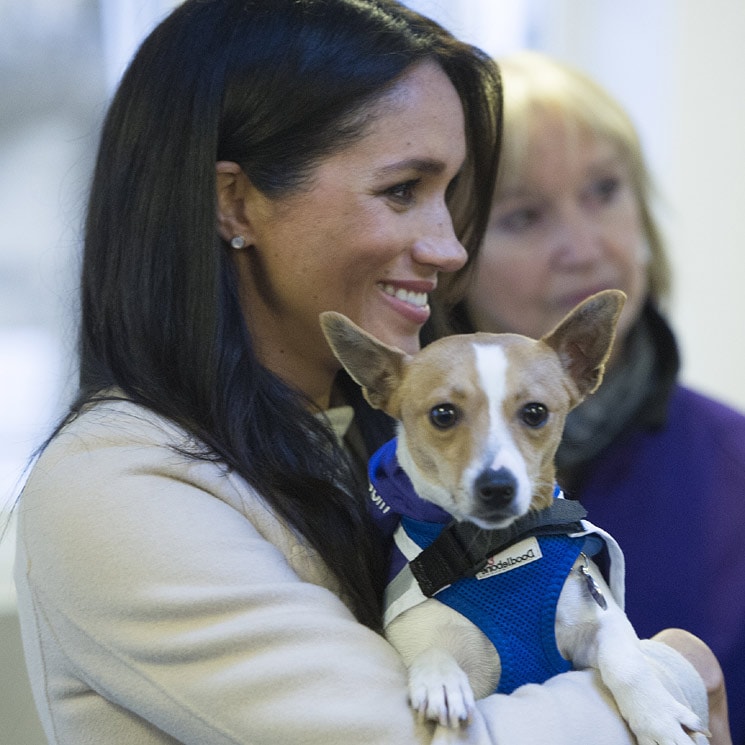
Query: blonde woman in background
(659, 465)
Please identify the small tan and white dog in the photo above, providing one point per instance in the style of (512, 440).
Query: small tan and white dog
(480, 417)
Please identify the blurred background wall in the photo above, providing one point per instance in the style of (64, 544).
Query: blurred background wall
(675, 64)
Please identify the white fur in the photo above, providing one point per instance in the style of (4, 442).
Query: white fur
(606, 640)
(501, 450)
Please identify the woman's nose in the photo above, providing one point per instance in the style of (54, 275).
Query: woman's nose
(438, 245)
(576, 239)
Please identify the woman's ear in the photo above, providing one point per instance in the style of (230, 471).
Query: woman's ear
(233, 188)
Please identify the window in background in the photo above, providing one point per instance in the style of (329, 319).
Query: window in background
(52, 94)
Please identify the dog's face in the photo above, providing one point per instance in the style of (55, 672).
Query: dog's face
(481, 415)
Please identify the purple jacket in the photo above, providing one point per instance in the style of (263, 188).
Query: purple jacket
(674, 498)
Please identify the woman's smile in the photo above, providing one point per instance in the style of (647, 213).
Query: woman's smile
(367, 238)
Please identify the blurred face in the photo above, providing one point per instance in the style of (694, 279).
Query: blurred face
(565, 228)
(368, 238)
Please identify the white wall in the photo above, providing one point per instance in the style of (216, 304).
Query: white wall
(678, 65)
(496, 26)
(706, 182)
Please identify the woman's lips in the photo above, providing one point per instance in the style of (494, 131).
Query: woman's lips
(418, 299)
(410, 299)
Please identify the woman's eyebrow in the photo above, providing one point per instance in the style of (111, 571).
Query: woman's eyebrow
(421, 165)
(605, 162)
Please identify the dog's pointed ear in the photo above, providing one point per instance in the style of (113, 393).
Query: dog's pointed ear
(584, 339)
(373, 365)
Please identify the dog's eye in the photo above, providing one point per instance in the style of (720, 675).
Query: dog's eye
(443, 415)
(534, 414)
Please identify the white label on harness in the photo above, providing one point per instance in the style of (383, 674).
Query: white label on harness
(525, 552)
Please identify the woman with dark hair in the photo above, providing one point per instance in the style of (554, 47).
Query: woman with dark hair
(195, 559)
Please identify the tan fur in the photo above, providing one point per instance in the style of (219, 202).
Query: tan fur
(429, 379)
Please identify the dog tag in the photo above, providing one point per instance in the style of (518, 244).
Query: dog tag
(592, 586)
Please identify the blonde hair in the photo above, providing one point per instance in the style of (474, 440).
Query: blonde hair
(535, 85)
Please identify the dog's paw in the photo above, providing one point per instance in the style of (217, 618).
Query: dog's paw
(657, 718)
(439, 690)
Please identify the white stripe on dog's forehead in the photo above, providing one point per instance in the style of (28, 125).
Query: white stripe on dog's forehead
(500, 450)
(491, 367)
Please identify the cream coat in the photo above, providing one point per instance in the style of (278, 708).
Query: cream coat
(161, 601)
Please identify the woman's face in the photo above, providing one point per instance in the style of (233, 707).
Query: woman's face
(368, 238)
(566, 227)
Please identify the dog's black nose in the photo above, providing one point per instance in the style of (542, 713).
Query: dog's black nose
(496, 488)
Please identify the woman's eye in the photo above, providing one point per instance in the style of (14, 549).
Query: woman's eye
(443, 416)
(519, 220)
(534, 414)
(605, 189)
(403, 193)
